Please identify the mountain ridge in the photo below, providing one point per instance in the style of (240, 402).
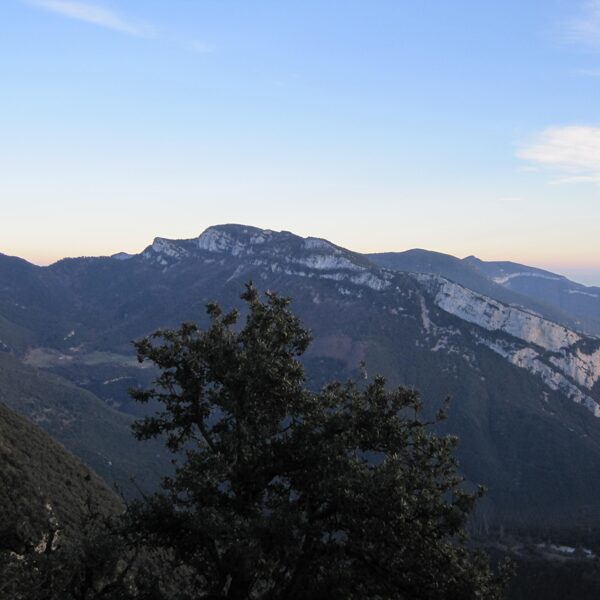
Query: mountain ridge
(505, 365)
(539, 290)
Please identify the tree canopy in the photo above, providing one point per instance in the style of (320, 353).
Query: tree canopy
(281, 492)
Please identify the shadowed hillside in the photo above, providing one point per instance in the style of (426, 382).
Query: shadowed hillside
(43, 486)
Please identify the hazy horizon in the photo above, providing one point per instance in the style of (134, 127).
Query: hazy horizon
(589, 277)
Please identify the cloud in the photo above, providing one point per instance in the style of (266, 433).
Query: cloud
(104, 17)
(594, 72)
(200, 47)
(578, 179)
(95, 14)
(573, 150)
(585, 28)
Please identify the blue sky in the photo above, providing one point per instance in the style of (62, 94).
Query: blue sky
(467, 127)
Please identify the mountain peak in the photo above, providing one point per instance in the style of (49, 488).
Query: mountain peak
(244, 240)
(236, 239)
(245, 247)
(229, 239)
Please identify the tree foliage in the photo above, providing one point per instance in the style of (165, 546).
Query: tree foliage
(285, 493)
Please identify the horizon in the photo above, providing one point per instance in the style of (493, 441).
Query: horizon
(582, 276)
(379, 129)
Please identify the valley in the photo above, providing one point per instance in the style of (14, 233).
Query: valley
(524, 386)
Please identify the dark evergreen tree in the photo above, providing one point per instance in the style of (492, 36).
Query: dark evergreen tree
(285, 493)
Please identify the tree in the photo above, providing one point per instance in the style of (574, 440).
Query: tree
(280, 492)
(91, 562)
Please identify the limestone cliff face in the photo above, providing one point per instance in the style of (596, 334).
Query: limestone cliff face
(584, 368)
(566, 360)
(496, 316)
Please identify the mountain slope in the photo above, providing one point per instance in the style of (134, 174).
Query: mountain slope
(98, 435)
(581, 301)
(524, 387)
(34, 304)
(42, 486)
(553, 296)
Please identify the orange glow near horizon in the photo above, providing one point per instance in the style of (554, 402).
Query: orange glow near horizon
(567, 262)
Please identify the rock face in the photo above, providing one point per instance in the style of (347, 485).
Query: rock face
(553, 296)
(496, 316)
(553, 352)
(525, 385)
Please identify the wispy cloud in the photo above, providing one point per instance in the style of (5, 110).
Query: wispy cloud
(573, 151)
(200, 47)
(577, 179)
(588, 72)
(96, 15)
(584, 29)
(102, 16)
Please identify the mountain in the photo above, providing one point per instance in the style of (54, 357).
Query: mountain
(524, 382)
(96, 433)
(43, 487)
(575, 299)
(553, 296)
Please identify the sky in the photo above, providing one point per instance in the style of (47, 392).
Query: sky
(461, 126)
